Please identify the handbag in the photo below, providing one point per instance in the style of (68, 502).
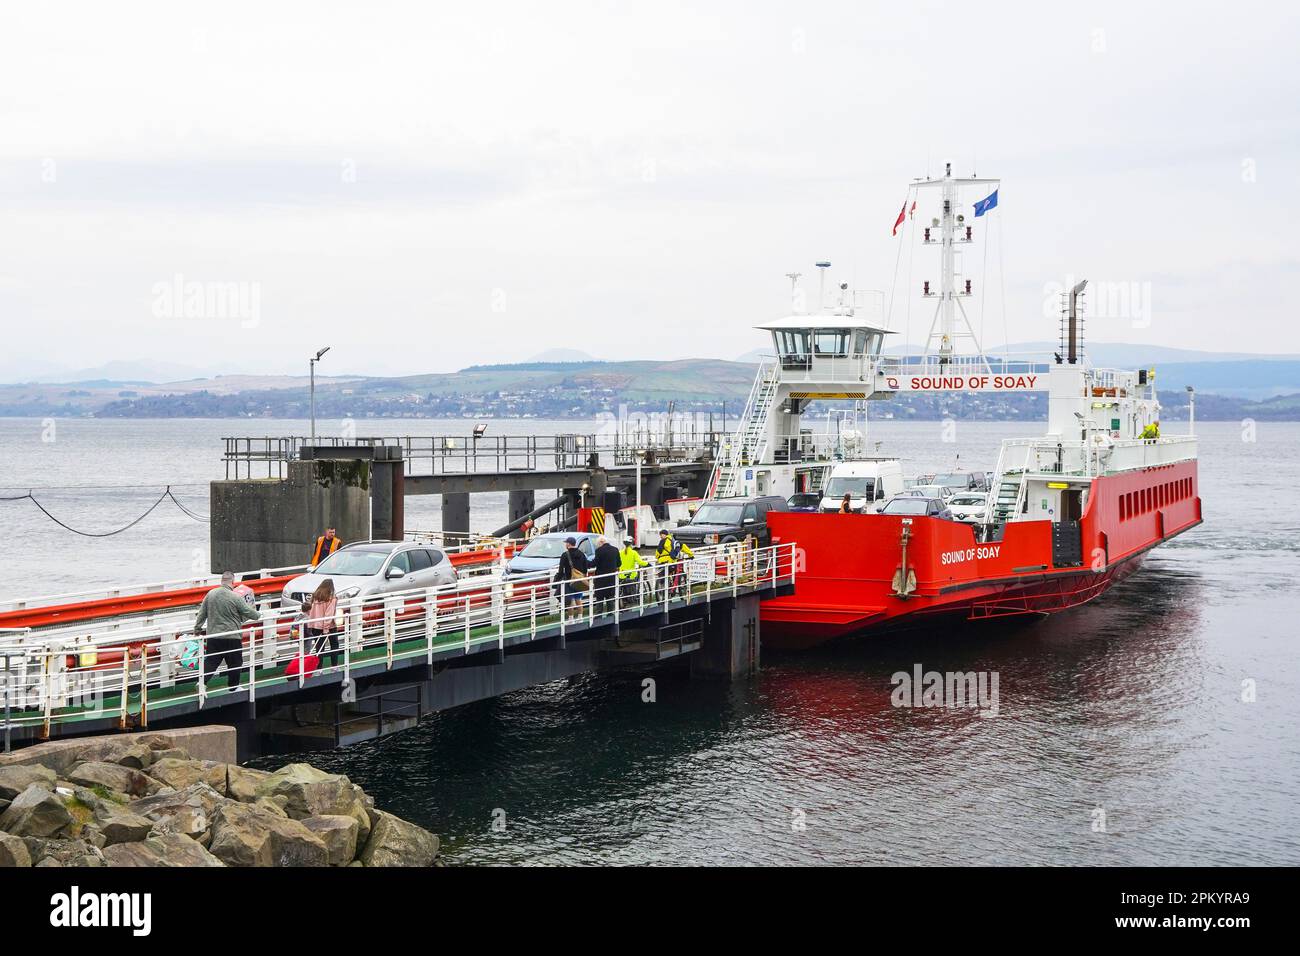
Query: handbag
(578, 579)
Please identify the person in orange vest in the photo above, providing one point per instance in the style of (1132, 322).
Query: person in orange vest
(326, 545)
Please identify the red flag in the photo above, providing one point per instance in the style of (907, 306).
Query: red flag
(902, 214)
(912, 212)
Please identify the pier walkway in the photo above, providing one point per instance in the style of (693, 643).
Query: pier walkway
(74, 677)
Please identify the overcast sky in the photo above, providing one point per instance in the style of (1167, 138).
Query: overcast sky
(426, 190)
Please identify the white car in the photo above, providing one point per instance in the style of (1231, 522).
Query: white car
(969, 506)
(934, 491)
(370, 568)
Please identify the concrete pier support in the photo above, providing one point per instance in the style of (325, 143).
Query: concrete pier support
(387, 495)
(731, 641)
(521, 503)
(455, 511)
(272, 524)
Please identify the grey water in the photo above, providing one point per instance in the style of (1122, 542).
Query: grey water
(1157, 725)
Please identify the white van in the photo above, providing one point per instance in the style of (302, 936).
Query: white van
(869, 483)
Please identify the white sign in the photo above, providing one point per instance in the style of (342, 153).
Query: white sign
(962, 383)
(699, 570)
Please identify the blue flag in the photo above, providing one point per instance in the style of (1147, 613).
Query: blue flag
(984, 205)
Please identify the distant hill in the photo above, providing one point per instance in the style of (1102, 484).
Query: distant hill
(562, 355)
(1260, 388)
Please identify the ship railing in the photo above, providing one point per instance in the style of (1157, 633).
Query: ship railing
(1001, 363)
(127, 675)
(1118, 380)
(458, 542)
(1100, 456)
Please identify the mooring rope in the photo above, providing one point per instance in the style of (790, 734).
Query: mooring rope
(167, 493)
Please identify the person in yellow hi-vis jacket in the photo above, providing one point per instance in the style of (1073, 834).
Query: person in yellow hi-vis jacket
(672, 552)
(629, 563)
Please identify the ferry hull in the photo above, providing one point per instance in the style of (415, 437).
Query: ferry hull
(847, 564)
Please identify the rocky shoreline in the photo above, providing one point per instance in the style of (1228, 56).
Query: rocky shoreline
(147, 802)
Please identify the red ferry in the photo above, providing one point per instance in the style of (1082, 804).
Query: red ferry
(1065, 516)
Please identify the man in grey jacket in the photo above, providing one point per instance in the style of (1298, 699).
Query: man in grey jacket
(223, 612)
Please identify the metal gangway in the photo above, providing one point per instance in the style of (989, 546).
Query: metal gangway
(482, 454)
(470, 454)
(84, 679)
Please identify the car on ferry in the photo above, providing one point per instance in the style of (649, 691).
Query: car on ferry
(963, 480)
(804, 501)
(969, 506)
(369, 568)
(725, 520)
(542, 553)
(868, 483)
(943, 492)
(916, 506)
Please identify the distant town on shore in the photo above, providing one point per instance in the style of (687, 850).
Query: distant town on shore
(1228, 389)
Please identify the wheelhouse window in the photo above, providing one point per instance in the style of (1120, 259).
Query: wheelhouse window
(794, 346)
(831, 343)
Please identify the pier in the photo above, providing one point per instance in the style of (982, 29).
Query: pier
(283, 491)
(119, 661)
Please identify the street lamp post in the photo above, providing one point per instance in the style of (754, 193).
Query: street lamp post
(312, 368)
(640, 460)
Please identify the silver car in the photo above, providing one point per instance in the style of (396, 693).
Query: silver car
(370, 568)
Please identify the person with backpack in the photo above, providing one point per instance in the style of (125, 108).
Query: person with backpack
(571, 578)
(672, 553)
(670, 550)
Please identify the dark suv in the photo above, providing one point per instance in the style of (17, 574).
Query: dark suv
(730, 519)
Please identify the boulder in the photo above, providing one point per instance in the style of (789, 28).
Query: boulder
(63, 852)
(118, 824)
(38, 812)
(111, 776)
(394, 842)
(172, 753)
(160, 849)
(309, 792)
(17, 778)
(187, 811)
(137, 755)
(13, 851)
(244, 835)
(338, 833)
(272, 806)
(242, 782)
(179, 774)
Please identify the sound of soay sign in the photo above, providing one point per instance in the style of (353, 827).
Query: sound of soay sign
(963, 383)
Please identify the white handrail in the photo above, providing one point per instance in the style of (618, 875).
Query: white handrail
(64, 679)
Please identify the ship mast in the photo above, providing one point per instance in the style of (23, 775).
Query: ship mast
(952, 228)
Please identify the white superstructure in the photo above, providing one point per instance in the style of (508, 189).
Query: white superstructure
(1099, 420)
